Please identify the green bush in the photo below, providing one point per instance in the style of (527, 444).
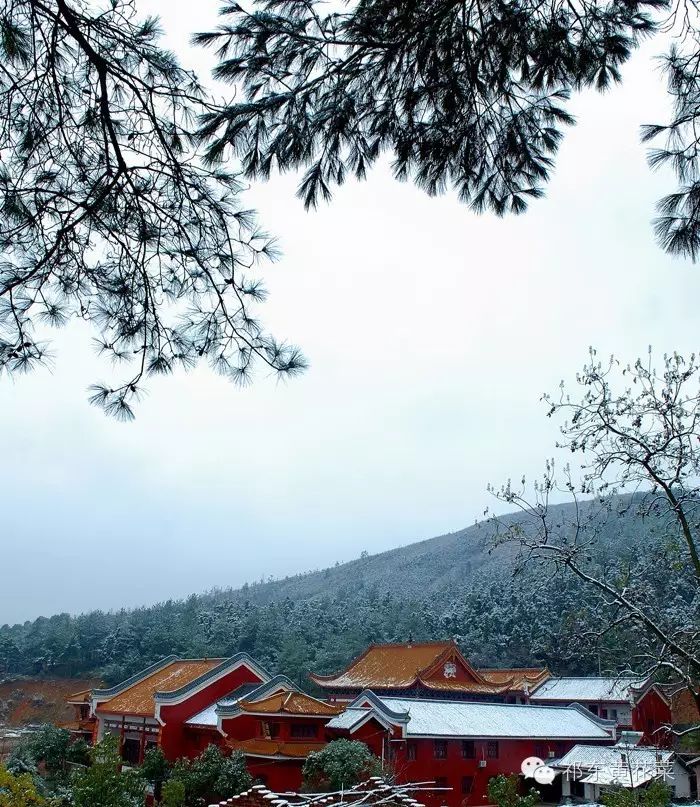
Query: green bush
(173, 794)
(211, 776)
(657, 794)
(503, 792)
(341, 764)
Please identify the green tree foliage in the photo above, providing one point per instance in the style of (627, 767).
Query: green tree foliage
(212, 776)
(465, 94)
(341, 764)
(173, 794)
(50, 745)
(657, 794)
(18, 790)
(104, 784)
(108, 213)
(503, 792)
(78, 753)
(155, 767)
(451, 587)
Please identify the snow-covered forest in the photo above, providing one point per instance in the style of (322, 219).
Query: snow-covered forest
(446, 587)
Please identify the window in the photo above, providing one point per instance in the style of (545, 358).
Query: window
(303, 730)
(440, 749)
(604, 714)
(467, 784)
(593, 708)
(541, 750)
(411, 752)
(492, 749)
(270, 730)
(561, 749)
(612, 713)
(440, 781)
(468, 750)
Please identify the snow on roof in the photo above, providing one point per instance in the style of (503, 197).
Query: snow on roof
(348, 719)
(139, 697)
(613, 688)
(439, 718)
(208, 716)
(599, 756)
(620, 764)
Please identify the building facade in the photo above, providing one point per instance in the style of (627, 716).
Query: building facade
(152, 707)
(428, 714)
(460, 745)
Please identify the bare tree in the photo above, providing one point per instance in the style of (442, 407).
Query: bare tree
(636, 434)
(107, 211)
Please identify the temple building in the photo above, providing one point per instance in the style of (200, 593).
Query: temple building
(152, 707)
(460, 745)
(422, 708)
(274, 725)
(430, 670)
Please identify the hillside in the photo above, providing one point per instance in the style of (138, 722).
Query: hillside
(448, 586)
(26, 702)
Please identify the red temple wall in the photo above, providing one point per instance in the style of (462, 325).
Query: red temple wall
(174, 734)
(648, 715)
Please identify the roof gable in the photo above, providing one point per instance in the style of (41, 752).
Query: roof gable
(450, 665)
(171, 681)
(140, 697)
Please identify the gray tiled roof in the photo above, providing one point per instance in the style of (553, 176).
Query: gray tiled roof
(614, 688)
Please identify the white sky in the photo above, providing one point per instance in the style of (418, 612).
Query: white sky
(431, 334)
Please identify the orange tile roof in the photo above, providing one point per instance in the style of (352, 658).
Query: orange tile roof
(138, 699)
(274, 748)
(516, 677)
(387, 665)
(400, 666)
(294, 703)
(451, 685)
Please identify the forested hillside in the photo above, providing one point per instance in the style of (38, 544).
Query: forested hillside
(452, 586)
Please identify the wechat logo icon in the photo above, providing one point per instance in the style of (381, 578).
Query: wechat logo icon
(535, 768)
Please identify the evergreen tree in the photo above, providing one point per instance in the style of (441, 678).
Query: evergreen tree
(465, 94)
(107, 211)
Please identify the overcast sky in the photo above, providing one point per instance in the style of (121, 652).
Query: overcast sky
(431, 334)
